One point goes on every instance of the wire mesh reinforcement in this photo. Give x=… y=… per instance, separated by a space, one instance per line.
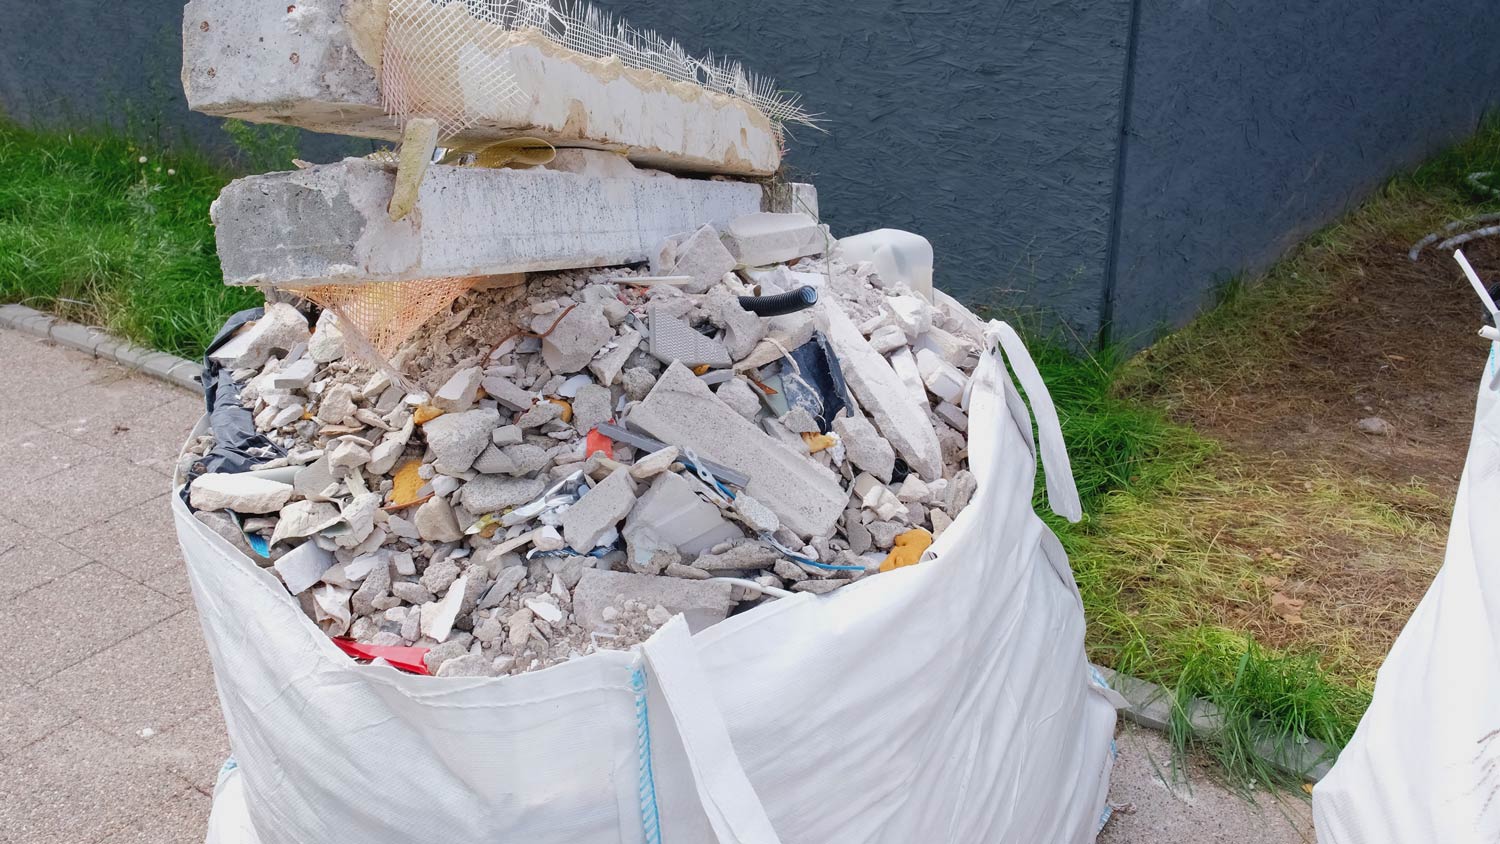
x=445 y=59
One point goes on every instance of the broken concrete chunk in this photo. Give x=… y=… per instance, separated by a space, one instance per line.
x=540 y=414
x=757 y=240
x=302 y=567
x=600 y=509
x=591 y=407
x=282 y=329
x=376 y=584
x=505 y=391
x=492 y=461
x=877 y=387
x=460 y=391
x=942 y=378
x=961 y=488
x=702 y=603
x=912 y=314
x=703 y=258
x=506 y=435
x=680 y=410
x=337 y=404
x=950 y=414
x=468 y=665
x=494 y=493
x=458 y=438
x=637 y=383
x=738 y=394
x=742 y=329
x=757 y=516
x=238 y=492
x=327 y=343
x=647 y=553
x=436 y=523
x=607 y=365
x=576 y=338
x=304 y=518
x=655 y=463
x=866 y=448
x=747 y=556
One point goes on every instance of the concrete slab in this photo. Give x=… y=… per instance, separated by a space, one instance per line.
x=318 y=65
x=681 y=411
x=329 y=223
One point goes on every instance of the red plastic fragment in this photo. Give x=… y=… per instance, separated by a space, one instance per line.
x=600 y=443
x=407 y=659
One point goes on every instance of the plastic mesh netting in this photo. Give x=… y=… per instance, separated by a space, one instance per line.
x=445 y=59
x=383 y=315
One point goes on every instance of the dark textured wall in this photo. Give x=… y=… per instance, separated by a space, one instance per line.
x=85 y=63
x=992 y=127
x=1253 y=123
x=988 y=127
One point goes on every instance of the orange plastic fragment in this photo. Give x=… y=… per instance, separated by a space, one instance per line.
x=699 y=370
x=405 y=483
x=567 y=414
x=426 y=413
x=908 y=549
x=597 y=443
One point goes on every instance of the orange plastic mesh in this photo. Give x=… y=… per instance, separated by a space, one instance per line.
x=386 y=314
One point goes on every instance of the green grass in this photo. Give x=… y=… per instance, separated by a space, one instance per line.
x=93 y=233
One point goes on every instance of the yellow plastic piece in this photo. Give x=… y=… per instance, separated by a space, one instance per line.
x=405 y=484
x=818 y=442
x=426 y=413
x=512 y=152
x=702 y=368
x=908 y=549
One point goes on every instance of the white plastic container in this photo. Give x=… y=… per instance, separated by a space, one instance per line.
x=899 y=257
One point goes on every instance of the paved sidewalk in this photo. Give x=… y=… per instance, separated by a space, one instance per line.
x=109 y=724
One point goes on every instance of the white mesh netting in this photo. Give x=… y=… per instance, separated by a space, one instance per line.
x=444 y=59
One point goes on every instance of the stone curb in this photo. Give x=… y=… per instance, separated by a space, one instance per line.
x=1151 y=706
x=101 y=344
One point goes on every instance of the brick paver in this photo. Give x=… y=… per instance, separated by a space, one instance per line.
x=109 y=724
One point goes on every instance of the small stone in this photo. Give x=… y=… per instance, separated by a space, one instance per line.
x=494 y=493
x=436 y=523
x=460 y=391
x=526 y=458
x=658 y=615
x=743 y=557
x=439 y=576
x=655 y=463
x=438 y=617
x=412 y=593
x=520 y=627
x=540 y=414
x=637 y=383
x=468 y=665
x=865 y=447
x=887 y=338
x=238 y=492
x=576 y=338
x=457 y=439
x=738 y=394
x=505 y=391
x=337 y=404
x=757 y=516
x=442 y=653
x=1374 y=426
x=327 y=343
x=591 y=408
x=600 y=509
x=505 y=435
x=702 y=257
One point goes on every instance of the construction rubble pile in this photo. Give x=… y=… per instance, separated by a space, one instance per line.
x=707 y=407
x=585 y=455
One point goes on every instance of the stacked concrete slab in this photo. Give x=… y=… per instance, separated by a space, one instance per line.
x=317 y=65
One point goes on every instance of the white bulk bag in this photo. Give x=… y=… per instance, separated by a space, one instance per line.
x=947 y=701
x=1424 y=765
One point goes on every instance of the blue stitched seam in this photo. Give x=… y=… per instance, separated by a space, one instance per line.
x=650 y=816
